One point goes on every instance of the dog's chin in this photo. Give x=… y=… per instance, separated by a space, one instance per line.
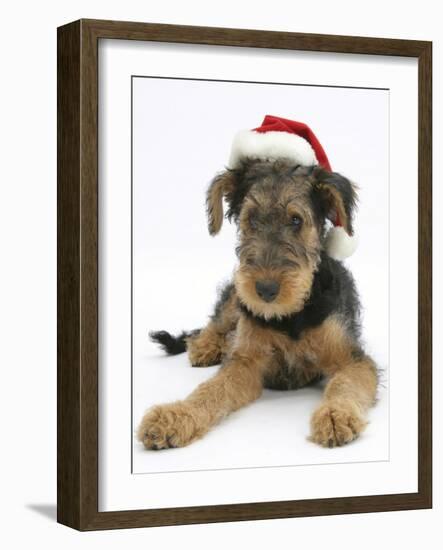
x=267 y=311
x=292 y=296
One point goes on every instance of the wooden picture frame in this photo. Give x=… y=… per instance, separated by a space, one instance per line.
x=77 y=457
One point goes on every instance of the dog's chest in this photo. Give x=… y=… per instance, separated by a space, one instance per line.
x=299 y=357
x=292 y=367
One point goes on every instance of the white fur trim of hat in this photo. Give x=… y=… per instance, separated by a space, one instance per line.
x=279 y=138
x=271 y=146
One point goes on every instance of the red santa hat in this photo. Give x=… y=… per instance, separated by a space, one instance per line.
x=280 y=138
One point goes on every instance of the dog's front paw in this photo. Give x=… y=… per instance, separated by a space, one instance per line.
x=336 y=423
x=168 y=426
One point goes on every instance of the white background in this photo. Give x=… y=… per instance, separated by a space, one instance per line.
x=28 y=277
x=118 y=489
x=180 y=141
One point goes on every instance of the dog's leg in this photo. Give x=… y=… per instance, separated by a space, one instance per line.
x=348 y=395
x=177 y=424
x=238 y=382
x=212 y=343
x=207 y=347
x=351 y=388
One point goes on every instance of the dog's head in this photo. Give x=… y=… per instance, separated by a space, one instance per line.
x=281 y=211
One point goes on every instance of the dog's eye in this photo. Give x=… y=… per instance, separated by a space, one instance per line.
x=252 y=222
x=296 y=222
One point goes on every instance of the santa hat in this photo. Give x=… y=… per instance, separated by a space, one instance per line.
x=280 y=138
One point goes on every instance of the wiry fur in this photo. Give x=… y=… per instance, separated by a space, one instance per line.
x=172 y=345
x=332 y=292
x=308 y=329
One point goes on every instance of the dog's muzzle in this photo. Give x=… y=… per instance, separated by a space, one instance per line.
x=267 y=290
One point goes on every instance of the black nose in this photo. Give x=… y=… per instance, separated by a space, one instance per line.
x=267 y=290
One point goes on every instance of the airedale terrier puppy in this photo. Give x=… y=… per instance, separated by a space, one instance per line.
x=291 y=314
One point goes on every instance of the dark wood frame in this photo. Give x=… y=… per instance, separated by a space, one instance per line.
x=77 y=457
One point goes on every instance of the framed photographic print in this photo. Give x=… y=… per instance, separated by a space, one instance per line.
x=244 y=274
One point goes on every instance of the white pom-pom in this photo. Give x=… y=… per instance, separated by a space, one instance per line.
x=339 y=245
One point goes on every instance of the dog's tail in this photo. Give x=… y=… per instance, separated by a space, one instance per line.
x=172 y=345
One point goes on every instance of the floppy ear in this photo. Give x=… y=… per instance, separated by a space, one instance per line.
x=221 y=186
x=338 y=196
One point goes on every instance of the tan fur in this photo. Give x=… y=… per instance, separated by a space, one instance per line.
x=206 y=348
x=295 y=284
x=292 y=296
x=213 y=342
x=251 y=358
x=336 y=205
x=220 y=187
x=239 y=382
x=273 y=246
x=336 y=423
